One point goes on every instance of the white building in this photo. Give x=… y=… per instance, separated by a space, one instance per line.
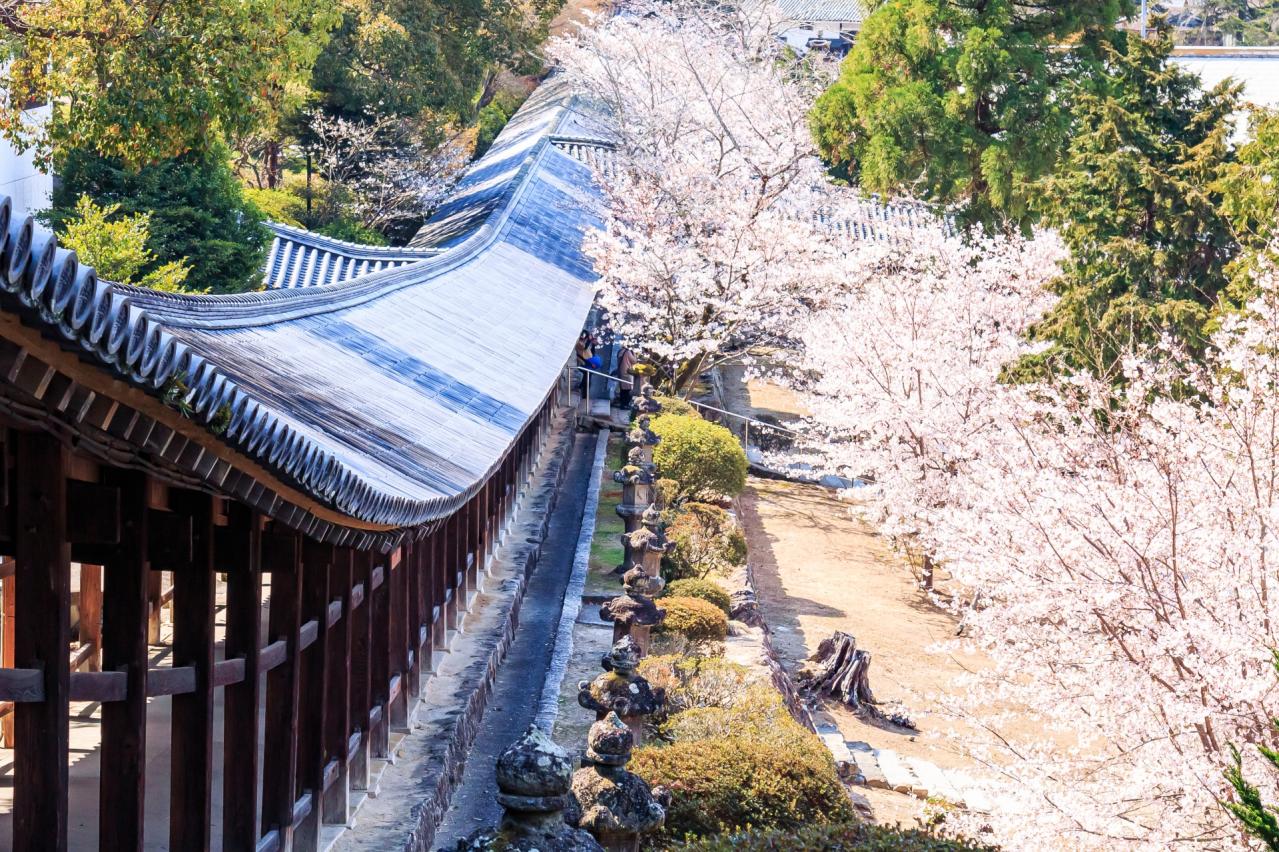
x=28 y=187
x=821 y=24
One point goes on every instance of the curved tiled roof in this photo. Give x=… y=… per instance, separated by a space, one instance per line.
x=300 y=258
x=387 y=397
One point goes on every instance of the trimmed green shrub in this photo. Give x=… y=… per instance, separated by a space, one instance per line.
x=703 y=457
x=694 y=619
x=730 y=783
x=707 y=541
x=278 y=205
x=703 y=589
x=677 y=406
x=842 y=837
x=756 y=712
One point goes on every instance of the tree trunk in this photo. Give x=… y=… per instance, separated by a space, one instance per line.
x=839 y=670
x=271 y=156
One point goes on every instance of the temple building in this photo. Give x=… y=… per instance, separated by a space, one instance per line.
x=237 y=529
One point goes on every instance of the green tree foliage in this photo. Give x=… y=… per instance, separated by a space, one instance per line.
x=1250 y=22
x=197 y=211
x=1249 y=190
x=1137 y=199
x=960 y=102
x=141 y=81
x=1258 y=819
x=416 y=58
x=703 y=457
x=116 y=246
x=706 y=541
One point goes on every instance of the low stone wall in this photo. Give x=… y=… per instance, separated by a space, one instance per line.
x=416 y=791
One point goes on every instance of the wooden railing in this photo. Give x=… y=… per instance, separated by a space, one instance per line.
x=350 y=643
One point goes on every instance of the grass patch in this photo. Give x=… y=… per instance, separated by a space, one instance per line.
x=606 y=546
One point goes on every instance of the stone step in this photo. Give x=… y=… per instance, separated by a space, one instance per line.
x=869 y=769
x=834 y=742
x=896 y=773
x=938 y=784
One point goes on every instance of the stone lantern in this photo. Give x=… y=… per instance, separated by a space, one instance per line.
x=633 y=613
x=613 y=804
x=645 y=402
x=621 y=690
x=534 y=777
x=644 y=438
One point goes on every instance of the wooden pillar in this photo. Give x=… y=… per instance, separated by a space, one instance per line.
x=91 y=614
x=398 y=643
x=43 y=585
x=122 y=789
x=426 y=607
x=412 y=578
x=452 y=549
x=279 y=760
x=361 y=701
x=191 y=782
x=337 y=716
x=240 y=774
x=155 y=587
x=6 y=653
x=439 y=587
x=317 y=560
x=381 y=667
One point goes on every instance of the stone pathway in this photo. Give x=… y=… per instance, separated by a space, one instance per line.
x=513 y=703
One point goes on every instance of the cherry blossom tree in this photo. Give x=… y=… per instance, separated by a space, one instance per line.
x=1114 y=548
x=714 y=240
x=906 y=364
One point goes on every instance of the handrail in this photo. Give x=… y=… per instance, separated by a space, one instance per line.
x=701 y=405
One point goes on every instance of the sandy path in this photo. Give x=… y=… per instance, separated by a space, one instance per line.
x=818 y=569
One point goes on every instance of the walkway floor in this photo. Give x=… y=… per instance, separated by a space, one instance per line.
x=518 y=687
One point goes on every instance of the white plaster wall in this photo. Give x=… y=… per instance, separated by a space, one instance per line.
x=28 y=187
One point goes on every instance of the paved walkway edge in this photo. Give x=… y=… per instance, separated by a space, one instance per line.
x=421 y=805
x=549 y=706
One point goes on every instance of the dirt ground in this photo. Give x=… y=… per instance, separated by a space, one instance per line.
x=574 y=13
x=819 y=569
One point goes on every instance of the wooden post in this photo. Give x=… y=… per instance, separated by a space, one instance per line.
x=439 y=588
x=398 y=641
x=412 y=578
x=451 y=551
x=381 y=667
x=155 y=581
x=191 y=782
x=240 y=772
x=122 y=789
x=337 y=719
x=6 y=654
x=279 y=761
x=91 y=613
x=317 y=559
x=361 y=683
x=43 y=584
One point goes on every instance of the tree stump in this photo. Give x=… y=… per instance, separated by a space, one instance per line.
x=840 y=670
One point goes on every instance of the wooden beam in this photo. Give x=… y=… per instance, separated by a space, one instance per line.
x=103 y=687
x=125 y=629
x=191 y=782
x=6 y=643
x=279 y=762
x=43 y=585
x=242 y=557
